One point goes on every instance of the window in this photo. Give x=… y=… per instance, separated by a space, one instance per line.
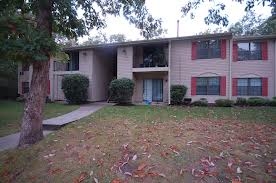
x=249 y=51
x=73 y=64
x=208 y=49
x=249 y=86
x=25 y=87
x=25 y=66
x=208 y=86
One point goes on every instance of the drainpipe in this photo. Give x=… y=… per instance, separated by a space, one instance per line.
x=177 y=33
x=169 y=74
x=230 y=68
x=274 y=67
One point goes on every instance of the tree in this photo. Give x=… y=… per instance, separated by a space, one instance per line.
x=215 y=14
x=103 y=38
x=26 y=34
x=248 y=25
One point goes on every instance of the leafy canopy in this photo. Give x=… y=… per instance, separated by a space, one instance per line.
x=22 y=40
x=215 y=14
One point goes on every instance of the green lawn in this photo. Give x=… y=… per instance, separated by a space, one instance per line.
x=153 y=144
x=11 y=113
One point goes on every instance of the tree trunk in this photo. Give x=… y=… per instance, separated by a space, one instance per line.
x=31 y=126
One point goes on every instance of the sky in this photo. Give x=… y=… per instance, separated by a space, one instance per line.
x=170 y=11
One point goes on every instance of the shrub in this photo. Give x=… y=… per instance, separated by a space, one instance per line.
x=75 y=88
x=257 y=101
x=121 y=90
x=272 y=103
x=201 y=102
x=178 y=93
x=274 y=98
x=241 y=101
x=224 y=103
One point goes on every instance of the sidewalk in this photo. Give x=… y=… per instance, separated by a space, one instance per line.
x=11 y=141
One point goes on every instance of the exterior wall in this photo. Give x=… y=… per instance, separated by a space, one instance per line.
x=86 y=59
x=138 y=89
x=125 y=62
x=102 y=74
x=23 y=76
x=183 y=68
x=257 y=68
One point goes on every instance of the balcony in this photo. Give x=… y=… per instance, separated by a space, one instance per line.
x=153 y=58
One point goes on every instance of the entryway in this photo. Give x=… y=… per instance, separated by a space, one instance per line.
x=153 y=90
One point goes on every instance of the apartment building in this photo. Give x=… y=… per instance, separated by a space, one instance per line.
x=212 y=66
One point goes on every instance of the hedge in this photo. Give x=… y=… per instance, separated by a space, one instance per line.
x=121 y=90
x=75 y=88
x=178 y=93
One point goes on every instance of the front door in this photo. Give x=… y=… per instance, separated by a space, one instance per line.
x=153 y=90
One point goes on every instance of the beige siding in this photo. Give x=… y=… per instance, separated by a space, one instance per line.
x=23 y=76
x=138 y=89
x=182 y=68
x=102 y=74
x=125 y=62
x=86 y=68
x=258 y=68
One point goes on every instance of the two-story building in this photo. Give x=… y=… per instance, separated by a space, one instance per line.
x=212 y=66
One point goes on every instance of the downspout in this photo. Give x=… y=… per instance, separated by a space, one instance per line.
x=169 y=74
x=275 y=67
x=230 y=68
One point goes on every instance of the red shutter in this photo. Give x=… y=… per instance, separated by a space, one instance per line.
x=223 y=49
x=234 y=86
x=264 y=51
x=264 y=86
x=235 y=51
x=49 y=87
x=223 y=85
x=193 y=86
x=194 y=48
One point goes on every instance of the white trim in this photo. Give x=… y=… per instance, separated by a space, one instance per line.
x=151 y=69
x=169 y=73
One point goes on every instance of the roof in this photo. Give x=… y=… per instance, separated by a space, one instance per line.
x=167 y=40
x=258 y=37
x=152 y=41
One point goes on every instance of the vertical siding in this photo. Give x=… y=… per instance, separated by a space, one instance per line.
x=258 y=68
x=183 y=68
x=125 y=62
x=102 y=74
x=85 y=68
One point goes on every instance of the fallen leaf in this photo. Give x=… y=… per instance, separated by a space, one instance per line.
x=96 y=180
x=141 y=166
x=239 y=170
x=134 y=157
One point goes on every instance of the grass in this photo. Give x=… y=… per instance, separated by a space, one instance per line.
x=153 y=144
x=11 y=113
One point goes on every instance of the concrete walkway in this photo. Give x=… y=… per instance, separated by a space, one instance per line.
x=11 y=141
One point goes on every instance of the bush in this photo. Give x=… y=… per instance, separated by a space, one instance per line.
x=224 y=103
x=121 y=90
x=274 y=98
x=257 y=101
x=201 y=102
x=178 y=93
x=241 y=101
x=75 y=88
x=272 y=103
